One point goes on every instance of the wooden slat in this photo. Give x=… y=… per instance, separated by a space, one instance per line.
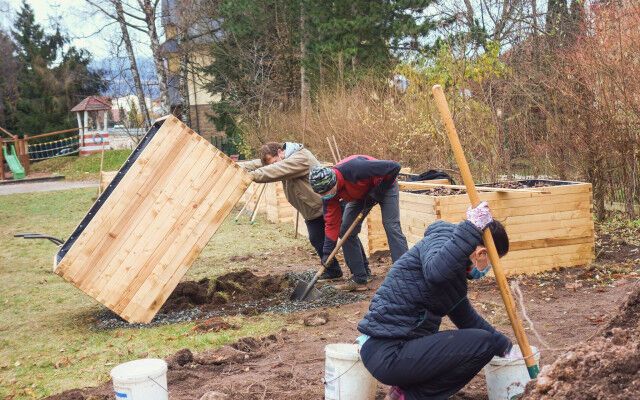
x=492 y=198
x=86 y=242
x=137 y=198
x=154 y=222
x=192 y=243
x=423 y=185
x=170 y=243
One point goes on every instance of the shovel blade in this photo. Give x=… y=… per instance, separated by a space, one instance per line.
x=299 y=290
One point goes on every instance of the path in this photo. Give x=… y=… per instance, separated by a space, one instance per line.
x=45 y=186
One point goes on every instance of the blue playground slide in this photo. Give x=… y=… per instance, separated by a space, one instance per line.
x=14 y=163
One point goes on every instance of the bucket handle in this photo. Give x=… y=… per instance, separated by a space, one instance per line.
x=154 y=381
x=339 y=376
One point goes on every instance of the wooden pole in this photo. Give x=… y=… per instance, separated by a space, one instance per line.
x=101 y=165
x=335 y=145
x=295 y=236
x=465 y=172
x=335 y=158
x=255 y=211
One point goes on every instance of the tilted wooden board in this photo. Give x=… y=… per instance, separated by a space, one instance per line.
x=152 y=221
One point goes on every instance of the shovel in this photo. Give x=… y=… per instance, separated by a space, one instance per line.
x=306 y=291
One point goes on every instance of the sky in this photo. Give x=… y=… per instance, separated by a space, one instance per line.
x=82 y=23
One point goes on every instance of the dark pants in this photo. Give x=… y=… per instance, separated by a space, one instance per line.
x=315 y=227
x=430 y=367
x=390 y=208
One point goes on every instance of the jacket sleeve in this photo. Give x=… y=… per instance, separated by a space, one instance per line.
x=465 y=317
x=332 y=219
x=453 y=255
x=294 y=166
x=361 y=168
x=250 y=165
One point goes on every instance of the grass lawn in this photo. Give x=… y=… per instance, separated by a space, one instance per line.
x=47 y=342
x=82 y=168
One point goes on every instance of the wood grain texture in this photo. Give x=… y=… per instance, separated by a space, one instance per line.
x=154 y=223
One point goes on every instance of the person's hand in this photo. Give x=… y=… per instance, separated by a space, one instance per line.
x=513 y=353
x=369 y=202
x=480 y=215
x=252 y=174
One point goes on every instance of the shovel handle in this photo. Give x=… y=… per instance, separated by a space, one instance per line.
x=465 y=172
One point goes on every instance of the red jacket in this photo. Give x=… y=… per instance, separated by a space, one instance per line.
x=356 y=175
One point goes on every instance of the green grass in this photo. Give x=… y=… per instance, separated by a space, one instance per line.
x=82 y=168
x=47 y=340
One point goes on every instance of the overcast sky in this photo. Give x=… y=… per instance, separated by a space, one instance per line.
x=79 y=21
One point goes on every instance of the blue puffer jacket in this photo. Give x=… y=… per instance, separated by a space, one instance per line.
x=427 y=283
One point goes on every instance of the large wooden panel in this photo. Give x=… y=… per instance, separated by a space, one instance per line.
x=152 y=221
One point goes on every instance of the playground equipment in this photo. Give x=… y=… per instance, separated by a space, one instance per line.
x=13 y=162
x=92 y=114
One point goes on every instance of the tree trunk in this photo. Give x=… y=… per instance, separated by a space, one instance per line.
x=305 y=100
x=132 y=60
x=150 y=18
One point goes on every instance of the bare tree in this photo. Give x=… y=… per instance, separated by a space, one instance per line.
x=150 y=8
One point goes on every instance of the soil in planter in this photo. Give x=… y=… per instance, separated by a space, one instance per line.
x=604 y=367
x=523 y=184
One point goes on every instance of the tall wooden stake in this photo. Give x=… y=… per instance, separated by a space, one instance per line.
x=505 y=293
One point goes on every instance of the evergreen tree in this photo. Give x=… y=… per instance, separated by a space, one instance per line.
x=52 y=76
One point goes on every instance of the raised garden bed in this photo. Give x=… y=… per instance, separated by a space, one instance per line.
x=546 y=230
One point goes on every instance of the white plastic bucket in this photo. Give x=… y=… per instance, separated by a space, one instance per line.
x=345 y=377
x=144 y=379
x=507 y=378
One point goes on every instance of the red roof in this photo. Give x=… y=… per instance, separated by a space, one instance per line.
x=93 y=103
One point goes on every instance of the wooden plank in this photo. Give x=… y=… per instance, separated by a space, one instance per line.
x=531 y=254
x=134 y=179
x=137 y=199
x=422 y=185
x=181 y=228
x=549 y=242
x=549 y=225
x=162 y=198
x=491 y=198
x=448 y=205
x=504 y=213
x=153 y=223
x=545 y=263
x=579 y=231
x=146 y=306
x=584 y=213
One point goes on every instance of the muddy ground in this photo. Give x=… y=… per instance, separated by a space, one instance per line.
x=568 y=307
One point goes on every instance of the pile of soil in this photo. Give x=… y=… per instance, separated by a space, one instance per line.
x=234 y=287
x=235 y=293
x=606 y=366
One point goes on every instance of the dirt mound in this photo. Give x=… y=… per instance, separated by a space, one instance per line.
x=241 y=286
x=605 y=367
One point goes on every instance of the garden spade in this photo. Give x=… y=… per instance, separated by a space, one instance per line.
x=443 y=108
x=306 y=291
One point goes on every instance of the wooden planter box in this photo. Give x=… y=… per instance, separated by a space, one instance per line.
x=546 y=231
x=277 y=208
x=152 y=221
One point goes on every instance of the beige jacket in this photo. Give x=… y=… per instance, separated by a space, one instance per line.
x=293 y=171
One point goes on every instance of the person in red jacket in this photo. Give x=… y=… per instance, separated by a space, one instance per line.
x=360 y=182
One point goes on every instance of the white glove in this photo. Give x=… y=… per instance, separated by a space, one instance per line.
x=480 y=216
x=514 y=353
